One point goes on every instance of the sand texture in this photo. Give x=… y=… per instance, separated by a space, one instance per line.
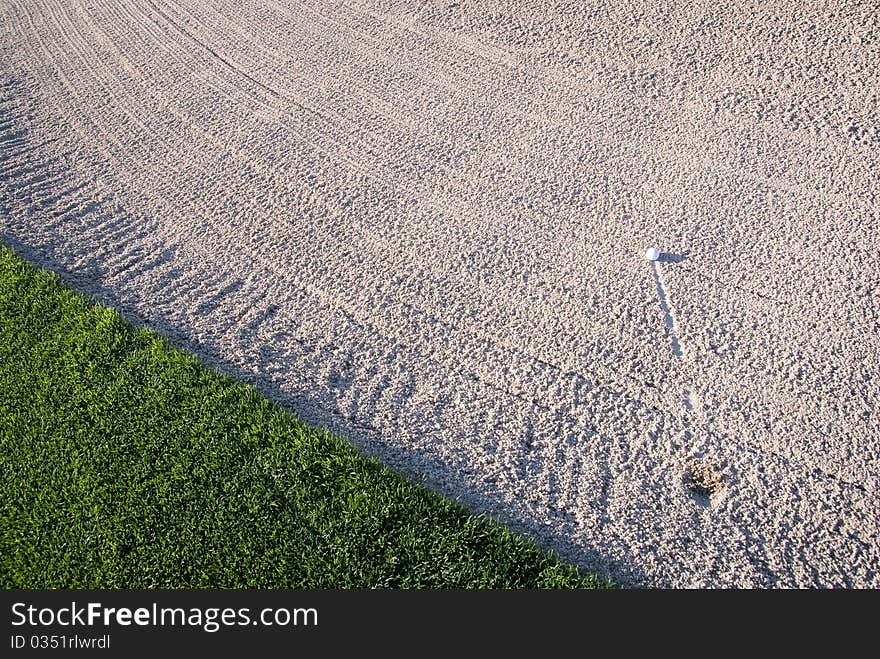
x=423 y=224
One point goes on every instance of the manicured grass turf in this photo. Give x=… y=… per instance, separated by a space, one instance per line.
x=127 y=464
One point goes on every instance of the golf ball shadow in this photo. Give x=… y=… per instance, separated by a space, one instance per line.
x=671 y=257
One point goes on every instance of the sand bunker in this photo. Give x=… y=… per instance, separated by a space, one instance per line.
x=424 y=225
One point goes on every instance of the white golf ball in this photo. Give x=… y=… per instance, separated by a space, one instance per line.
x=652 y=253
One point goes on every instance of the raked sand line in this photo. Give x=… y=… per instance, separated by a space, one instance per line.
x=421 y=225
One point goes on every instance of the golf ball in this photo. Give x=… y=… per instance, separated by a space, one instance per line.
x=652 y=253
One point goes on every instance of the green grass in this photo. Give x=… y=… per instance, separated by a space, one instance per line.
x=128 y=464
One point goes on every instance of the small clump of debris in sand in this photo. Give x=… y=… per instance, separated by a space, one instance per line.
x=704 y=479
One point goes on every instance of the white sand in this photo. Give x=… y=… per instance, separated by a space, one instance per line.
x=424 y=225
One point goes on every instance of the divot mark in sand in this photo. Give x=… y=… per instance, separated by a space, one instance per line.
x=704 y=480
